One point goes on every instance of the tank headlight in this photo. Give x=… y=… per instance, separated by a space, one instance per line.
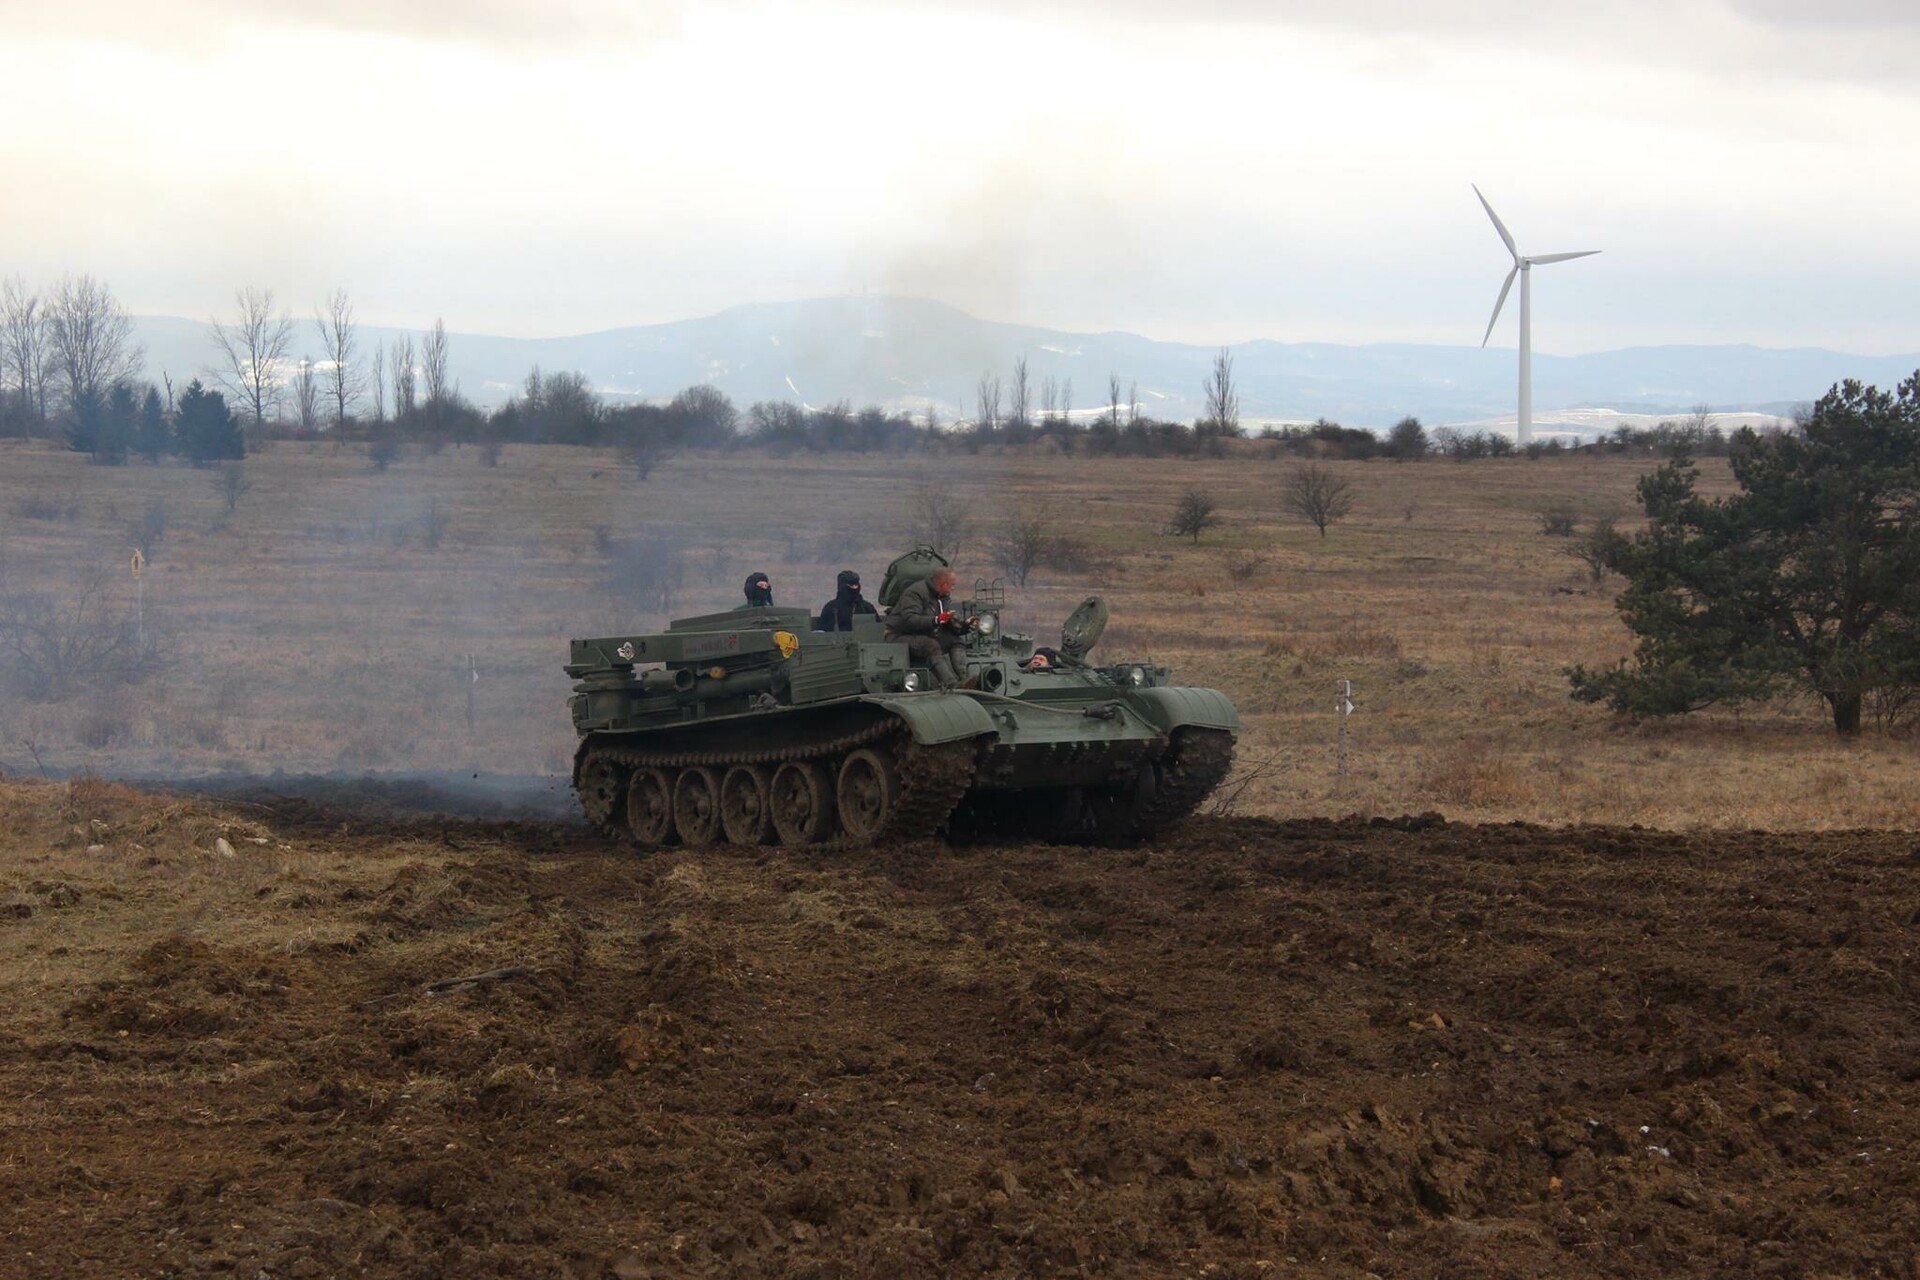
x=625 y=651
x=911 y=681
x=1136 y=676
x=987 y=624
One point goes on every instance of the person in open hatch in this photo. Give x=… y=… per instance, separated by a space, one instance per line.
x=1043 y=659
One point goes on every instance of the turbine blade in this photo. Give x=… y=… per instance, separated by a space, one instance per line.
x=1506 y=237
x=1561 y=257
x=1501 y=301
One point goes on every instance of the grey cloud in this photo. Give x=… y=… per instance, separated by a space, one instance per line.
x=1896 y=15
x=1782 y=40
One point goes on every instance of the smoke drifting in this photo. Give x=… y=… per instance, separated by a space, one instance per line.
x=344 y=620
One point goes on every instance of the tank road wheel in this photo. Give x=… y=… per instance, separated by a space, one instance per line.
x=745 y=812
x=696 y=806
x=603 y=793
x=650 y=808
x=802 y=802
x=869 y=795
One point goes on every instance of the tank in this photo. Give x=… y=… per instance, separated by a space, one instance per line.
x=750 y=728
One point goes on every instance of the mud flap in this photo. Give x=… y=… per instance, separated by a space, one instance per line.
x=1168 y=708
x=935 y=718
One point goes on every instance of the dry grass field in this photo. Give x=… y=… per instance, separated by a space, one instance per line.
x=327 y=623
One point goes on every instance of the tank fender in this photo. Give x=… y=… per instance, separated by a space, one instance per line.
x=935 y=717
x=1168 y=708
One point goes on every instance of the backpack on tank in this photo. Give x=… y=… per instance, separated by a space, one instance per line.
x=910 y=568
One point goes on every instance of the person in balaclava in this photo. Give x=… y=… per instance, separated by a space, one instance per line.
x=759 y=591
x=847 y=604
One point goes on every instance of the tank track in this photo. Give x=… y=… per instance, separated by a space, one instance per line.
x=1191 y=764
x=932 y=780
x=1197 y=761
x=932 y=777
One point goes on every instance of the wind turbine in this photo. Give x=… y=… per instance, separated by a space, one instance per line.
x=1523 y=267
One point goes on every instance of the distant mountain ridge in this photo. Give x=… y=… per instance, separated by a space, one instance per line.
x=908 y=353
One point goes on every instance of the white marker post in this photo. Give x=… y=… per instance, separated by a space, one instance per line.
x=1343 y=707
x=139 y=599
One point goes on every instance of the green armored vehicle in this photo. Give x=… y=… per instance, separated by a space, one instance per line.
x=749 y=728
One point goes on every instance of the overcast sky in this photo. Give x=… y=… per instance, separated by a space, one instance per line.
x=1212 y=170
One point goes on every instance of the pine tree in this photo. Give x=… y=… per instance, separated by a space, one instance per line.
x=1807 y=578
x=207 y=429
x=121 y=422
x=154 y=437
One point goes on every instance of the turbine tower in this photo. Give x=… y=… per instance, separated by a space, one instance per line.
x=1523 y=267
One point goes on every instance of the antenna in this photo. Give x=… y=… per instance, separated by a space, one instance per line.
x=1523 y=265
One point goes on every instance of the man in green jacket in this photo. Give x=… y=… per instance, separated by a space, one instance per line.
x=925 y=620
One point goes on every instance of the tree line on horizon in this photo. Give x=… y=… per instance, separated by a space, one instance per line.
x=69 y=365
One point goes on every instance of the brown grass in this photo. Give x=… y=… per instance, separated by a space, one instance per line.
x=319 y=629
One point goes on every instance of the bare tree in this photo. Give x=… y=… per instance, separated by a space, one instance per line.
x=1595 y=547
x=644 y=451
x=146 y=529
x=1316 y=495
x=344 y=381
x=1018 y=395
x=383 y=450
x=1223 y=400
x=930 y=419
x=377 y=382
x=5 y=356
x=252 y=347
x=24 y=351
x=1133 y=403
x=1066 y=400
x=1113 y=399
x=231 y=483
x=433 y=371
x=987 y=395
x=645 y=569
x=90 y=339
x=83 y=640
x=306 y=396
x=1559 y=520
x=406 y=387
x=1023 y=544
x=1194 y=514
x=1049 y=397
x=938 y=517
x=433 y=526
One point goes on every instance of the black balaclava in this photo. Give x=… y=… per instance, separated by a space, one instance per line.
x=759 y=592
x=846 y=594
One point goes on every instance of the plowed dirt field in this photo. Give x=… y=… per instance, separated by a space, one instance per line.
x=1258 y=1048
